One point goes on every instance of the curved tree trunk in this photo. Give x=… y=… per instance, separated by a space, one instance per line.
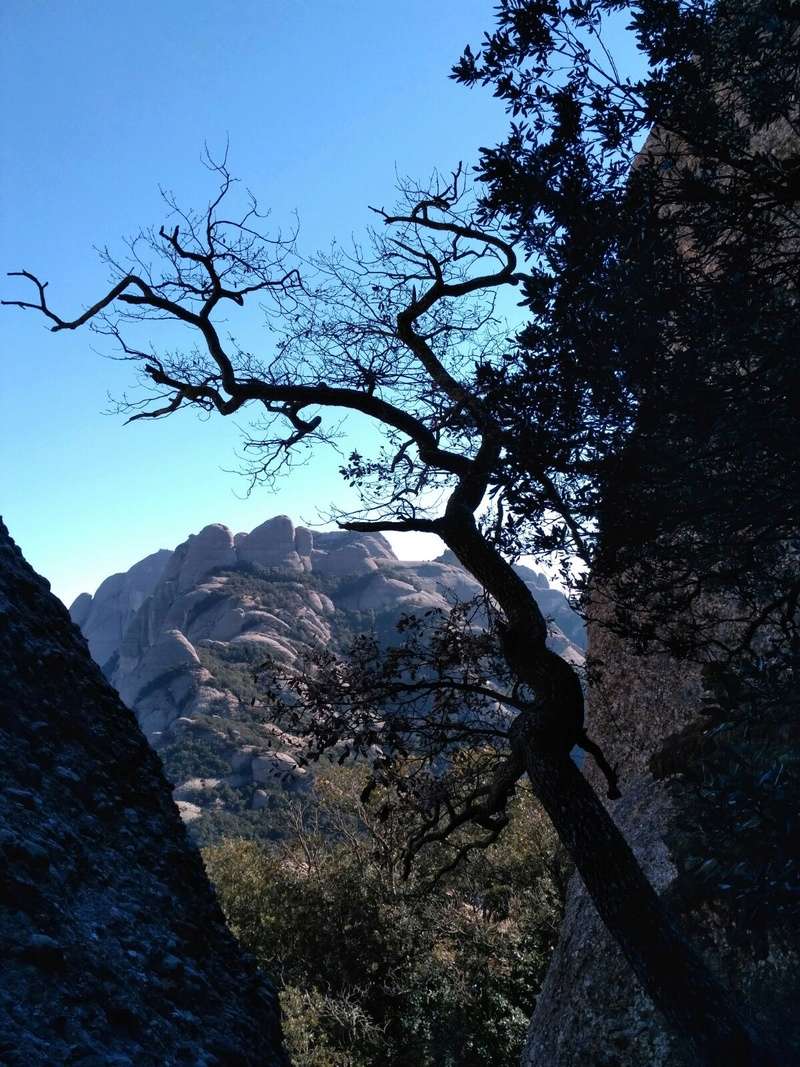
x=673 y=975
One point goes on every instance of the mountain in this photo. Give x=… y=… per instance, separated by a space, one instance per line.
x=178 y=636
x=105 y=617
x=114 y=948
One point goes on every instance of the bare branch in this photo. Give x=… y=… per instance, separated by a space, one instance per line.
x=72 y=324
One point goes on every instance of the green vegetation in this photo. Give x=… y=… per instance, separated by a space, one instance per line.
x=192 y=757
x=377 y=970
x=218 y=825
x=233 y=668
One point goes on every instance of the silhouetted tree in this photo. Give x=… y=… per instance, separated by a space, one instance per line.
x=504 y=447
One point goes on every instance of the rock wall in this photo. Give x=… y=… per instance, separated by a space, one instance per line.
x=709 y=807
x=105 y=617
x=114 y=948
x=709 y=764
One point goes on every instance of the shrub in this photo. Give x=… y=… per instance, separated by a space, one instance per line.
x=380 y=971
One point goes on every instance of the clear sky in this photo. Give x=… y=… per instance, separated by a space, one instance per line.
x=322 y=101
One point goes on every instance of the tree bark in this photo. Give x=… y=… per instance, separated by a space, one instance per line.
x=674 y=976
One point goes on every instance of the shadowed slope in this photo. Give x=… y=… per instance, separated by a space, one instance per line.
x=114 y=947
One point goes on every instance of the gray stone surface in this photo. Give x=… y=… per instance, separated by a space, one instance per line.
x=201 y=554
x=590 y=1010
x=114 y=949
x=345 y=561
x=689 y=792
x=168 y=674
x=209 y=600
x=271 y=544
x=375 y=543
x=105 y=617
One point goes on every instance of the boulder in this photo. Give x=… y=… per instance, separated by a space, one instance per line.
x=276 y=766
x=188 y=812
x=320 y=603
x=272 y=544
x=108 y=926
x=280 y=738
x=303 y=541
x=211 y=549
x=195 y=785
x=344 y=562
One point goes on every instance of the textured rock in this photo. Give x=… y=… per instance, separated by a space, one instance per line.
x=194 y=785
x=271 y=544
x=583 y=1014
x=105 y=617
x=276 y=765
x=376 y=544
x=447 y=579
x=164 y=680
x=188 y=811
x=114 y=948
x=202 y=553
x=378 y=594
x=342 y=562
x=230 y=603
x=268 y=644
x=303 y=541
x=81 y=609
x=707 y=817
x=709 y=803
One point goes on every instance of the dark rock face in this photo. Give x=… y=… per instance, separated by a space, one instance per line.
x=709 y=807
x=114 y=948
x=709 y=784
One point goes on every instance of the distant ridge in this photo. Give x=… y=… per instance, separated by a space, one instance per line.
x=179 y=632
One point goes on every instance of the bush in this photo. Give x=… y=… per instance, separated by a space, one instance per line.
x=380 y=971
x=192 y=757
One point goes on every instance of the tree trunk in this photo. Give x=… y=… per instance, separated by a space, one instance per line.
x=673 y=975
x=671 y=972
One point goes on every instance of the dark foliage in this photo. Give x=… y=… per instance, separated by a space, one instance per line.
x=662 y=349
x=372 y=970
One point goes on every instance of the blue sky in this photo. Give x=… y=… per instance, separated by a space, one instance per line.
x=322 y=102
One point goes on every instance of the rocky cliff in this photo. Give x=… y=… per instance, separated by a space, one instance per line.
x=709 y=781
x=105 y=617
x=708 y=757
x=114 y=948
x=219 y=605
